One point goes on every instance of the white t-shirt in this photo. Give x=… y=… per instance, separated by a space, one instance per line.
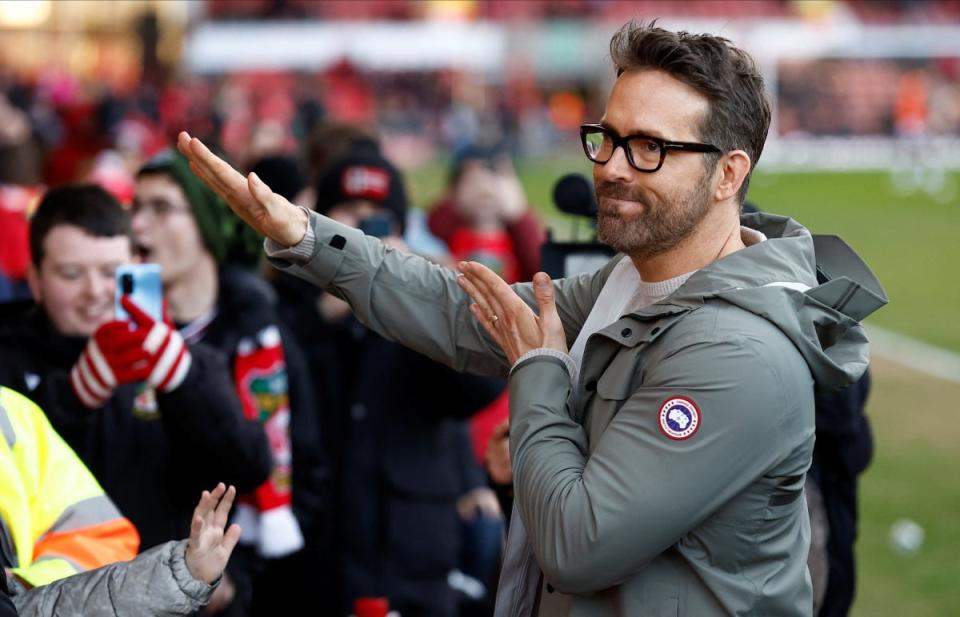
x=623 y=292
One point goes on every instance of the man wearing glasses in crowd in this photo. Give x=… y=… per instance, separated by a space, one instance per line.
x=662 y=409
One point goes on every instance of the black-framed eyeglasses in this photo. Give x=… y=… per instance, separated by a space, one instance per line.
x=644 y=153
x=160 y=208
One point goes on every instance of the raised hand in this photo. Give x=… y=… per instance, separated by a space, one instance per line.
x=513 y=199
x=507 y=318
x=210 y=545
x=252 y=200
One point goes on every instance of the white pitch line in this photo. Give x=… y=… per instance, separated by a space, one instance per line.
x=914 y=354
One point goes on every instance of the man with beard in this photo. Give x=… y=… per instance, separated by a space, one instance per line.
x=659 y=464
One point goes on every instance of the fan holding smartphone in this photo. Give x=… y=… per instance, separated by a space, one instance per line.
x=138 y=345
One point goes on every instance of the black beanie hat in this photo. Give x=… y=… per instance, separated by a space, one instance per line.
x=281 y=174
x=363 y=174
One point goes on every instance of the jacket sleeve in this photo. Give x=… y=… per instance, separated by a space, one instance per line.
x=595 y=518
x=64 y=522
x=206 y=424
x=156 y=583
x=418 y=304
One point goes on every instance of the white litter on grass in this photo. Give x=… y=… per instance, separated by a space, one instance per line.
x=906 y=537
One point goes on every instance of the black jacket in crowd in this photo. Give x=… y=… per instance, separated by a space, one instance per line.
x=246 y=305
x=153 y=454
x=843 y=450
x=394 y=431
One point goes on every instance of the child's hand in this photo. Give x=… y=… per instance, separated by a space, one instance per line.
x=210 y=546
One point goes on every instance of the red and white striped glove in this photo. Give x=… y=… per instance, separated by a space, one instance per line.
x=113 y=355
x=116 y=354
x=168 y=355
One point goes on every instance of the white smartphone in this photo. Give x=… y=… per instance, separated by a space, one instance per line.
x=142 y=283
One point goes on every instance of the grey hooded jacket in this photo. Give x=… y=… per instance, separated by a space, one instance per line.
x=155 y=584
x=627 y=508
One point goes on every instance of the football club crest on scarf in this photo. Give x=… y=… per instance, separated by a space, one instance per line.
x=679 y=418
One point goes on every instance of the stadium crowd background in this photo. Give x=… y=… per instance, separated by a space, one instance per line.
x=91 y=90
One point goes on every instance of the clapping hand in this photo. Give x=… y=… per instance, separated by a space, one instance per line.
x=507 y=318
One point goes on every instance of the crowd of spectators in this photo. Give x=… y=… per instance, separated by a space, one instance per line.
x=869 y=97
x=874 y=11
x=359 y=465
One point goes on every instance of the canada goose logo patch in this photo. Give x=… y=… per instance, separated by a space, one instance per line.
x=679 y=418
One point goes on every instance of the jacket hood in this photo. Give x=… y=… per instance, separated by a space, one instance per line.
x=815 y=289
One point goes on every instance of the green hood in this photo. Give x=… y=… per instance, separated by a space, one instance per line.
x=813 y=288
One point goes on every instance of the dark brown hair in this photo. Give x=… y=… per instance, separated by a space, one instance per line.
x=87 y=206
x=727 y=76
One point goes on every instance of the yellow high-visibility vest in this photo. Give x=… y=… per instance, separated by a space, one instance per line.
x=55 y=519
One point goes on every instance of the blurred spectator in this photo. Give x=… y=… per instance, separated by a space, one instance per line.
x=83 y=138
x=206 y=254
x=911 y=108
x=20 y=155
x=484 y=216
x=295 y=307
x=392 y=425
x=844 y=448
x=349 y=97
x=109 y=170
x=155 y=423
x=16 y=205
x=20 y=163
x=327 y=142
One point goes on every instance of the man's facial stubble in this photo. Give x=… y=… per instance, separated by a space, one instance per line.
x=662 y=223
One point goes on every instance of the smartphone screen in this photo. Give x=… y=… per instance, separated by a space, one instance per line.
x=142 y=283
